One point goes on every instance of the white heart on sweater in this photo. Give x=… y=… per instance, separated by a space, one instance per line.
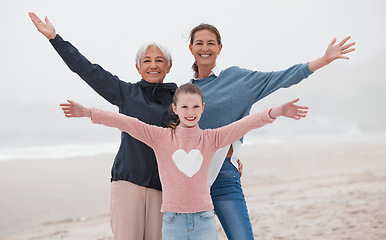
x=188 y=163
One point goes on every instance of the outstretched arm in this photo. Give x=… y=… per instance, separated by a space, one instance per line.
x=146 y=133
x=46 y=28
x=289 y=110
x=74 y=109
x=333 y=52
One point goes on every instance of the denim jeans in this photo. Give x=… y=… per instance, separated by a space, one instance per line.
x=189 y=226
x=229 y=203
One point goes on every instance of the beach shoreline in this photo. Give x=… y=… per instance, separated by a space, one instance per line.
x=293 y=191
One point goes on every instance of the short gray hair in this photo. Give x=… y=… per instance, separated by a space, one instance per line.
x=164 y=51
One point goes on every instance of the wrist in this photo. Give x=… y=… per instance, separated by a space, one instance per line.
x=87 y=112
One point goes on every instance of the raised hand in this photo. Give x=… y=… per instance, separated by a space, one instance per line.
x=336 y=51
x=46 y=28
x=289 y=110
x=74 y=109
x=333 y=52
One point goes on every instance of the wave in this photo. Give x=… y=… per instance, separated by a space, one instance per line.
x=56 y=151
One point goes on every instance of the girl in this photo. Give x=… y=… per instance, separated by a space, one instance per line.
x=184 y=154
x=230 y=95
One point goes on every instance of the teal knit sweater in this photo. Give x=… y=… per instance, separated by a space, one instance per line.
x=230 y=96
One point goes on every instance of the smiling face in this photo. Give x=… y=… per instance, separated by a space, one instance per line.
x=153 y=66
x=205 y=48
x=188 y=107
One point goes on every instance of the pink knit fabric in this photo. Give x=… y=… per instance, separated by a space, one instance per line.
x=184 y=155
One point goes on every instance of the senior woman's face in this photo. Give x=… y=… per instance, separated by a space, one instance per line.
x=153 y=66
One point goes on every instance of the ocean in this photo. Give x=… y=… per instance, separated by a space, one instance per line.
x=78 y=137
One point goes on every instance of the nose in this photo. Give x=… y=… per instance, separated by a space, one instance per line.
x=205 y=47
x=153 y=64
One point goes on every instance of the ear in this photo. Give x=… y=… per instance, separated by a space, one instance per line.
x=203 y=106
x=138 y=69
x=169 y=67
x=191 y=48
x=219 y=48
x=174 y=109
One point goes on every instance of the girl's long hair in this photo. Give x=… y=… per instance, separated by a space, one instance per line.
x=185 y=88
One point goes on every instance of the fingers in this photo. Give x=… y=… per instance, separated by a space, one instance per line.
x=347 y=46
x=344 y=41
x=35 y=19
x=333 y=41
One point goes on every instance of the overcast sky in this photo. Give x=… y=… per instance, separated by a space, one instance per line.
x=260 y=35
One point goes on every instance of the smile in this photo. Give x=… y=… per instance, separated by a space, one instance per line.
x=190 y=118
x=205 y=55
x=153 y=72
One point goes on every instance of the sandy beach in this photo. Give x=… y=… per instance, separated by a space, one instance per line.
x=293 y=191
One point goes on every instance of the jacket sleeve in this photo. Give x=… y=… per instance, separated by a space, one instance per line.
x=230 y=133
x=143 y=132
x=258 y=84
x=102 y=81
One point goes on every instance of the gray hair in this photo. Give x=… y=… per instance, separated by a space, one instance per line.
x=164 y=51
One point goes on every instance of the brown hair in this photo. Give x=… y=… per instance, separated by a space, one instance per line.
x=185 y=88
x=203 y=26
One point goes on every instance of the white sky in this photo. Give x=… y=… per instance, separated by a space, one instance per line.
x=260 y=35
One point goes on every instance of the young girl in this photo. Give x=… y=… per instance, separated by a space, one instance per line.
x=230 y=94
x=184 y=154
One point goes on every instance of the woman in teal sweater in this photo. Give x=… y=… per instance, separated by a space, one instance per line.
x=229 y=95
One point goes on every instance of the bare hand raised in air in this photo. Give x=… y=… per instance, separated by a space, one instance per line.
x=74 y=109
x=289 y=110
x=335 y=51
x=46 y=28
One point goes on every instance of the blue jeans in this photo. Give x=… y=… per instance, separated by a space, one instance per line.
x=229 y=203
x=189 y=226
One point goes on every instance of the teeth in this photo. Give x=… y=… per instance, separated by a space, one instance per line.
x=153 y=72
x=191 y=119
x=205 y=55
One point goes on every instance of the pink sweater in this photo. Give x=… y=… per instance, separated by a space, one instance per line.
x=184 y=156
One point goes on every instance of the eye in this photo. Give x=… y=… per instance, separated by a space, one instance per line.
x=196 y=106
x=160 y=60
x=145 y=61
x=184 y=107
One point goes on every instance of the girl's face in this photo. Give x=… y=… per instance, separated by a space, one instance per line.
x=189 y=108
x=153 y=65
x=205 y=48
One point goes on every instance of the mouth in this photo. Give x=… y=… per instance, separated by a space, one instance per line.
x=153 y=73
x=205 y=55
x=190 y=119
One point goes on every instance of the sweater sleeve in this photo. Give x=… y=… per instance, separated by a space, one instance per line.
x=228 y=134
x=102 y=81
x=143 y=132
x=258 y=85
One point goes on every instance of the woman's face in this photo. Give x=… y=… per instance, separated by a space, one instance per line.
x=205 y=48
x=153 y=65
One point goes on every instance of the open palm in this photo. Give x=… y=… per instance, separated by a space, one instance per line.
x=46 y=28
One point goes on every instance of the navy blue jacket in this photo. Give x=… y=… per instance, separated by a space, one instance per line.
x=149 y=102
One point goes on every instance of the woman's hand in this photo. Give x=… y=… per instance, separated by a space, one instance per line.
x=46 y=28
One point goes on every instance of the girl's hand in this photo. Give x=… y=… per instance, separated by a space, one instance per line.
x=74 y=109
x=289 y=110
